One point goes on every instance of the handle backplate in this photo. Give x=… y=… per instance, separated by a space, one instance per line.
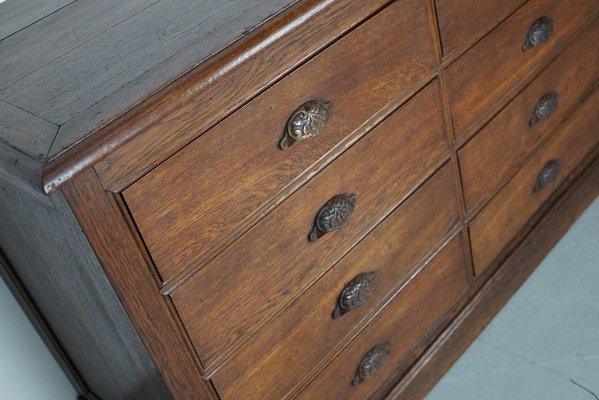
x=372 y=363
x=548 y=175
x=355 y=294
x=306 y=122
x=545 y=108
x=539 y=33
x=333 y=215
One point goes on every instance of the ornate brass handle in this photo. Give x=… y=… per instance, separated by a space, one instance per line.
x=539 y=33
x=355 y=294
x=544 y=108
x=306 y=122
x=372 y=363
x=333 y=215
x=548 y=175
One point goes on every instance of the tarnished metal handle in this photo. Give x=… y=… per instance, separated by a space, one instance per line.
x=372 y=363
x=306 y=122
x=540 y=32
x=545 y=108
x=548 y=175
x=333 y=215
x=355 y=294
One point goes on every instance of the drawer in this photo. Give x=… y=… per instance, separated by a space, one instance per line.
x=269 y=266
x=500 y=147
x=517 y=202
x=482 y=79
x=461 y=22
x=285 y=354
x=193 y=204
x=396 y=332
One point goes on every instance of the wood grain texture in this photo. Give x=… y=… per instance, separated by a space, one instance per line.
x=515 y=204
x=45 y=246
x=97 y=68
x=17 y=15
x=268 y=366
x=25 y=132
x=187 y=208
x=493 y=292
x=462 y=22
x=474 y=94
x=404 y=322
x=187 y=108
x=499 y=149
x=32 y=49
x=278 y=260
x=127 y=268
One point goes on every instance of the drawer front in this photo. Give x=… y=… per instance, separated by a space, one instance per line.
x=500 y=147
x=396 y=332
x=195 y=203
x=475 y=93
x=284 y=355
x=461 y=23
x=516 y=203
x=275 y=261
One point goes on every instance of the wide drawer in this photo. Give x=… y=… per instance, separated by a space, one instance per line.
x=501 y=146
x=364 y=365
x=284 y=355
x=269 y=266
x=461 y=22
x=482 y=79
x=517 y=202
x=196 y=202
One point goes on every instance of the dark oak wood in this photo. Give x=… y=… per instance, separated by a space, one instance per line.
x=191 y=193
x=433 y=292
x=52 y=260
x=100 y=216
x=474 y=94
x=492 y=292
x=499 y=149
x=394 y=251
x=462 y=22
x=279 y=261
x=515 y=204
x=180 y=112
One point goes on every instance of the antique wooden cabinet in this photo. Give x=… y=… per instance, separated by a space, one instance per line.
x=277 y=199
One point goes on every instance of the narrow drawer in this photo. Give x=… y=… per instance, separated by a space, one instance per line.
x=482 y=79
x=269 y=266
x=285 y=354
x=516 y=203
x=461 y=22
x=500 y=147
x=396 y=332
x=195 y=203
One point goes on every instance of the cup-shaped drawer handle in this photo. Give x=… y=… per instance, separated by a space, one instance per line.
x=355 y=294
x=544 y=108
x=540 y=32
x=372 y=363
x=333 y=215
x=548 y=175
x=306 y=122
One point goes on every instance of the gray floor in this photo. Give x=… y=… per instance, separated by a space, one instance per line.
x=545 y=343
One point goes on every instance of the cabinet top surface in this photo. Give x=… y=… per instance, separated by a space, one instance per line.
x=68 y=67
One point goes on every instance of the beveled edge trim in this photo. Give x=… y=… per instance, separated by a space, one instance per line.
x=213 y=75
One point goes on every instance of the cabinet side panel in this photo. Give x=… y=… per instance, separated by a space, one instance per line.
x=48 y=251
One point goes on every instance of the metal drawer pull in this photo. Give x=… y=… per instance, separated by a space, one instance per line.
x=333 y=215
x=544 y=108
x=355 y=294
x=372 y=363
x=548 y=175
x=539 y=33
x=306 y=122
